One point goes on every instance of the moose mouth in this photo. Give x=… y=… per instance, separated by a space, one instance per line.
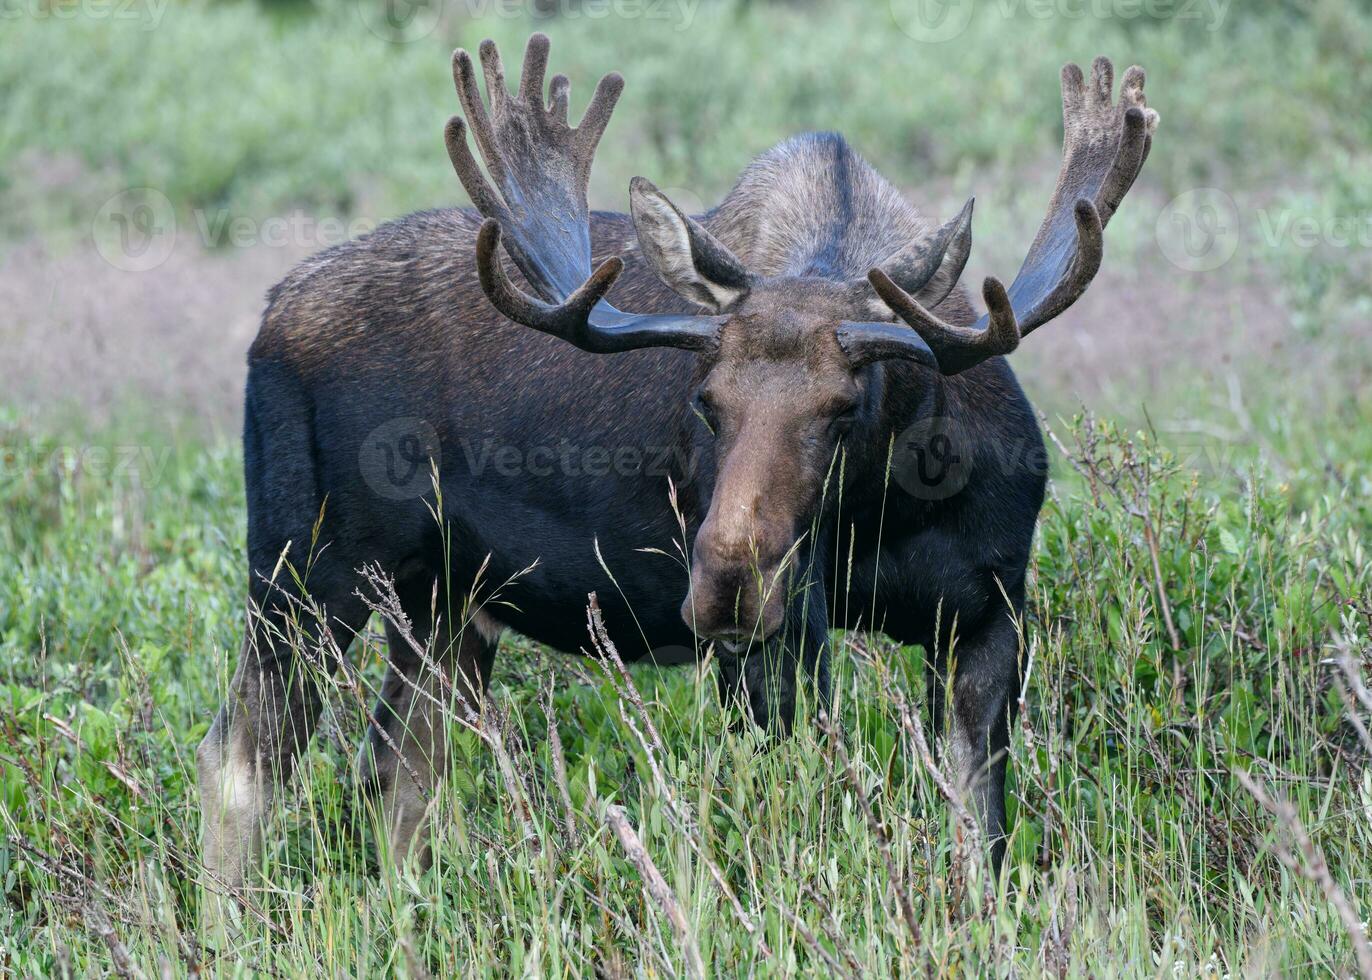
x=733 y=610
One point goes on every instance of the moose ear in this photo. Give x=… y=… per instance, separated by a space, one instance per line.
x=685 y=256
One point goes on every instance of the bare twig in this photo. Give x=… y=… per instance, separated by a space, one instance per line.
x=969 y=839
x=1355 y=696
x=94 y=914
x=86 y=896
x=386 y=603
x=653 y=746
x=804 y=932
x=1136 y=500
x=831 y=929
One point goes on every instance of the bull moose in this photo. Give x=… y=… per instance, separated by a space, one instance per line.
x=771 y=355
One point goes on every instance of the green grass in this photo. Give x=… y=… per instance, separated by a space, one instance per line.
x=1135 y=850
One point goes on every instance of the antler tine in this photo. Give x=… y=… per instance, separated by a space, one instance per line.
x=917 y=263
x=1085 y=263
x=1135 y=144
x=956 y=347
x=535 y=67
x=557 y=97
x=945 y=278
x=469 y=94
x=494 y=70
x=584 y=319
x=597 y=114
x=469 y=173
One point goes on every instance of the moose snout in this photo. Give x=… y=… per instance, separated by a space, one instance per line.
x=738 y=586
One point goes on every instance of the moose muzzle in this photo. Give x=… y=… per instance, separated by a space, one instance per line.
x=739 y=572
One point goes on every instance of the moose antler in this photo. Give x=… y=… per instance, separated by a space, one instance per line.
x=915 y=266
x=1104 y=147
x=541 y=167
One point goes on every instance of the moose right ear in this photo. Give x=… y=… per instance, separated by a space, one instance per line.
x=685 y=256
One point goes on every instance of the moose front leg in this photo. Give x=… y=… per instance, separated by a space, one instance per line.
x=973 y=696
x=767 y=680
x=406 y=751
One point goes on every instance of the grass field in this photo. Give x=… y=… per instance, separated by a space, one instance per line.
x=1192 y=794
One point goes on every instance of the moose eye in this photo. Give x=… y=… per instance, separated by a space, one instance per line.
x=704 y=407
x=844 y=417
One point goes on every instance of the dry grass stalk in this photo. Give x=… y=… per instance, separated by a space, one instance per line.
x=831 y=929
x=1356 y=697
x=1130 y=482
x=87 y=897
x=559 y=763
x=834 y=747
x=1055 y=945
x=653 y=747
x=812 y=941
x=385 y=602
x=969 y=840
x=656 y=887
x=1313 y=866
x=99 y=923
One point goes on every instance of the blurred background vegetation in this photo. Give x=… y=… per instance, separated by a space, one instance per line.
x=262 y=107
x=235 y=112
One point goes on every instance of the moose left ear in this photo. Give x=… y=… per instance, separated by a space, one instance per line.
x=685 y=256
